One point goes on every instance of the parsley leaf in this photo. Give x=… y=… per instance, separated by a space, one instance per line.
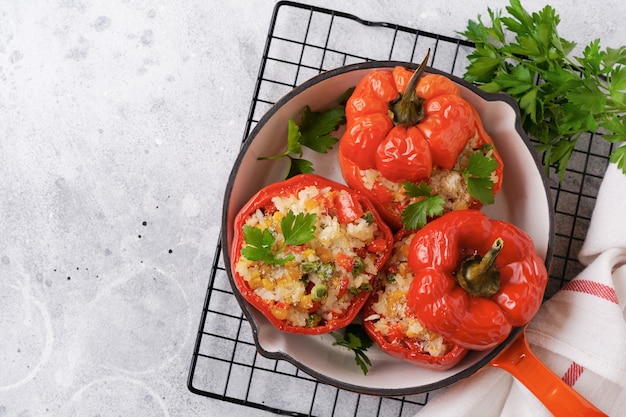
x=299 y=166
x=561 y=97
x=356 y=339
x=260 y=244
x=415 y=215
x=618 y=156
x=293 y=138
x=479 y=185
x=313 y=132
x=478 y=177
x=315 y=128
x=296 y=229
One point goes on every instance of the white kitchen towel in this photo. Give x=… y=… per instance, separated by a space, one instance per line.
x=579 y=333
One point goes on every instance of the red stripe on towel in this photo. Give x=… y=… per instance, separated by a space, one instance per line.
x=592 y=288
x=572 y=374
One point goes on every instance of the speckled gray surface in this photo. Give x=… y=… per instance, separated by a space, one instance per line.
x=119 y=122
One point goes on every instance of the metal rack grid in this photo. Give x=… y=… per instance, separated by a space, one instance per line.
x=303 y=41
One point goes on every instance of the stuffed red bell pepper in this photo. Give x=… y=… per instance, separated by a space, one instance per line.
x=410 y=127
x=393 y=327
x=474 y=278
x=305 y=253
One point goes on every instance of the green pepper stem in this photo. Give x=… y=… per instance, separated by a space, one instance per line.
x=408 y=108
x=490 y=257
x=478 y=275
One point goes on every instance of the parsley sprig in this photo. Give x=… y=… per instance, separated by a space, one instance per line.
x=415 y=215
x=561 y=97
x=478 y=177
x=313 y=132
x=356 y=339
x=296 y=229
x=479 y=185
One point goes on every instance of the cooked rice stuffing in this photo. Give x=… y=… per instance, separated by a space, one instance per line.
x=287 y=288
x=391 y=318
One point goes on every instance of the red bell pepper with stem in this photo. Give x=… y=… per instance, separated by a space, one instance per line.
x=305 y=253
x=404 y=126
x=474 y=278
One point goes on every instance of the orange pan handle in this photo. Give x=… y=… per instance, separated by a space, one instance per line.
x=558 y=397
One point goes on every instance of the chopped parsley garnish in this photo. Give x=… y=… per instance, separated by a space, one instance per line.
x=479 y=185
x=478 y=177
x=369 y=217
x=296 y=229
x=415 y=215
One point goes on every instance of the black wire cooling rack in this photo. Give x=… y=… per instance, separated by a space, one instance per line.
x=303 y=41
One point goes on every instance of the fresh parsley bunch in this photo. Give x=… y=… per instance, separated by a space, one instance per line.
x=560 y=97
